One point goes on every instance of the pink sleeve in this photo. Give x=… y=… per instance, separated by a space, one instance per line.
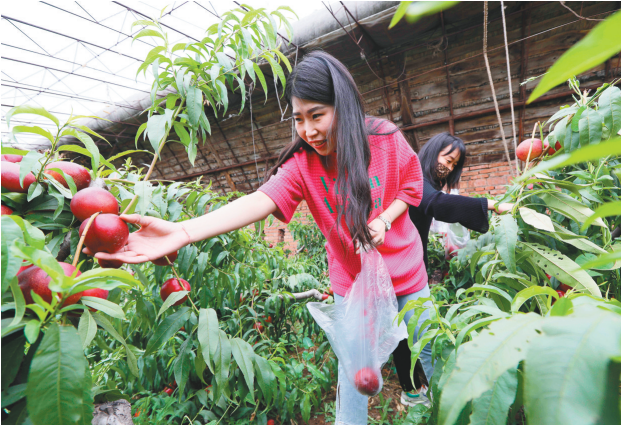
x=410 y=173
x=285 y=189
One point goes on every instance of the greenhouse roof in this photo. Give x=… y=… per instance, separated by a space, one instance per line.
x=78 y=57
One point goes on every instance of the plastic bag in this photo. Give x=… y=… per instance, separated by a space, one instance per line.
x=441 y=227
x=455 y=238
x=362 y=330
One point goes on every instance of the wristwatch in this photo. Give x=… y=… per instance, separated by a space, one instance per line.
x=386 y=222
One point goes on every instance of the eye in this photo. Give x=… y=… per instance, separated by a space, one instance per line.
x=315 y=116
x=298 y=119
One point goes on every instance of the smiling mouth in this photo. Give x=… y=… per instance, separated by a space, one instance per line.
x=318 y=143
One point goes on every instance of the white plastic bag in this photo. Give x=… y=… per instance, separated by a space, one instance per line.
x=441 y=227
x=362 y=330
x=455 y=238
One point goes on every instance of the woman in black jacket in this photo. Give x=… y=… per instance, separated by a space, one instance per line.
x=442 y=160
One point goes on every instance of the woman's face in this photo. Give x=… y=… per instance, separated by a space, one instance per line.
x=313 y=121
x=449 y=160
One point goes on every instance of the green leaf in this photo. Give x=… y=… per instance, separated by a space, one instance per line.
x=598 y=45
x=571 y=361
x=34 y=130
x=399 y=13
x=105 y=306
x=564 y=269
x=243 y=355
x=306 y=407
x=194 y=104
x=265 y=378
x=183 y=363
x=32 y=330
x=606 y=210
x=184 y=137
x=562 y=307
x=144 y=191
x=493 y=405
x=24 y=109
x=108 y=327
x=167 y=328
x=208 y=334
x=148 y=33
x=525 y=294
x=420 y=9
x=221 y=355
x=602 y=260
x=143 y=22
x=85 y=152
x=506 y=234
x=90 y=146
x=575 y=122
x=12 y=356
x=87 y=328
x=590 y=128
x=33 y=236
x=142 y=128
x=610 y=108
x=569 y=207
x=284 y=59
x=156 y=128
x=589 y=153
x=13 y=151
x=10 y=263
x=30 y=163
x=172 y=298
x=582 y=244
x=483 y=360
x=417 y=348
x=13 y=395
x=537 y=220
x=259 y=73
x=56 y=379
x=89 y=131
x=277 y=69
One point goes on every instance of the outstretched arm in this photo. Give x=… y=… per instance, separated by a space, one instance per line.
x=157 y=237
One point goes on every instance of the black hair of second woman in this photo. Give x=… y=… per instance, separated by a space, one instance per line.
x=322 y=78
x=428 y=157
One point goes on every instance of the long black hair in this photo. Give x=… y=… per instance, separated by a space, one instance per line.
x=322 y=78
x=428 y=157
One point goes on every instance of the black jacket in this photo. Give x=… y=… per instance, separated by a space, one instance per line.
x=469 y=212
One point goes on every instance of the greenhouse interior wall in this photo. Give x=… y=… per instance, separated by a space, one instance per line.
x=427 y=78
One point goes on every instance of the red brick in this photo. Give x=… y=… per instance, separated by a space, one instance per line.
x=489 y=187
x=479 y=182
x=497 y=180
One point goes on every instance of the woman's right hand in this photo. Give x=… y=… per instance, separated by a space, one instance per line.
x=153 y=240
x=499 y=208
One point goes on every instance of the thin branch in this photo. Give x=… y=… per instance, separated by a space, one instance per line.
x=577 y=16
x=504 y=29
x=491 y=84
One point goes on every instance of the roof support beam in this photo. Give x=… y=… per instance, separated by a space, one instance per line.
x=233 y=154
x=225 y=168
x=222 y=167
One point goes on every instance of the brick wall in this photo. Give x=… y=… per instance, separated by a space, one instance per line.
x=477 y=179
x=485 y=178
x=278 y=231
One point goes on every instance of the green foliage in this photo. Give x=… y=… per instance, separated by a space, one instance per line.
x=210 y=349
x=505 y=331
x=601 y=43
x=415 y=10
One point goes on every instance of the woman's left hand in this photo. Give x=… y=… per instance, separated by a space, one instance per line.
x=378 y=231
